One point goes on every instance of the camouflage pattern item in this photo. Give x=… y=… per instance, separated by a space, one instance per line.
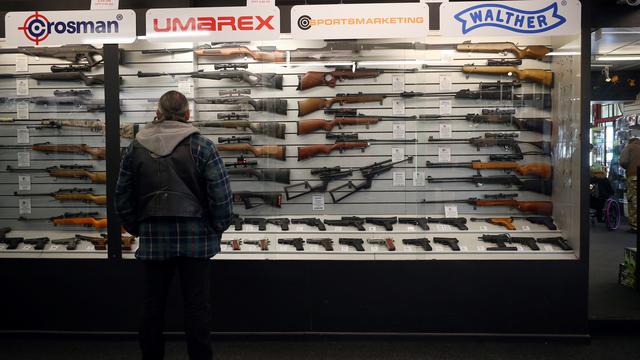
x=632 y=201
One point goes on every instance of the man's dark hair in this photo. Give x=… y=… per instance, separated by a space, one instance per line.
x=173 y=105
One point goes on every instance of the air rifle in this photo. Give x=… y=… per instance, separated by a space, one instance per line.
x=88 y=80
x=326 y=175
x=242 y=144
x=68 y=171
x=536 y=207
x=73 y=53
x=311 y=79
x=277 y=175
x=240 y=97
x=541 y=170
x=505 y=140
x=97 y=153
x=73 y=194
x=498 y=116
x=264 y=53
x=535 y=184
x=344 y=141
x=268 y=198
x=343 y=117
x=228 y=71
x=272 y=129
x=540 y=76
x=80 y=218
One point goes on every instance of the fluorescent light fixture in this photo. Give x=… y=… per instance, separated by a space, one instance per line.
x=617 y=57
x=186 y=34
x=563 y=53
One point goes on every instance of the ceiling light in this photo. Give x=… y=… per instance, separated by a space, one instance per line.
x=563 y=53
x=617 y=57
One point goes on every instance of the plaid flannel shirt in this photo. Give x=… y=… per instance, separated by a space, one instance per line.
x=165 y=237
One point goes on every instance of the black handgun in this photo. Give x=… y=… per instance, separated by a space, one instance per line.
x=327 y=243
x=310 y=222
x=282 y=222
x=356 y=243
x=558 y=241
x=295 y=242
x=459 y=222
x=38 y=243
x=354 y=221
x=529 y=241
x=261 y=222
x=450 y=242
x=418 y=221
x=386 y=222
x=422 y=242
x=500 y=240
x=70 y=243
x=539 y=220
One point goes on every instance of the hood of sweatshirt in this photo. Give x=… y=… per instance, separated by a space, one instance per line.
x=162 y=137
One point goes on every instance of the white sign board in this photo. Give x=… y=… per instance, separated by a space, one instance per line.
x=47 y=28
x=104 y=4
x=359 y=21
x=219 y=24
x=504 y=18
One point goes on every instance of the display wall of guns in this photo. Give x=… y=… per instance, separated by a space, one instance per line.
x=228 y=71
x=505 y=140
x=540 y=76
x=387 y=242
x=88 y=80
x=277 y=175
x=240 y=97
x=262 y=243
x=311 y=79
x=506 y=117
x=271 y=54
x=67 y=171
x=541 y=170
x=537 y=185
x=243 y=144
x=73 y=194
x=507 y=222
x=268 y=128
x=344 y=141
x=310 y=105
x=536 y=207
x=77 y=54
x=80 y=218
x=96 y=153
x=424 y=243
x=343 y=117
x=268 y=198
x=369 y=173
x=326 y=176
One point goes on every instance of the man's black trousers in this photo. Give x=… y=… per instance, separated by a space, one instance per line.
x=194 y=280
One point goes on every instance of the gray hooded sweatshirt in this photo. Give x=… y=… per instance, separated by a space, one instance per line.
x=162 y=137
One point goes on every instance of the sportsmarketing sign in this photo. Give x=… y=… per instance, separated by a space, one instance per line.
x=359 y=21
x=239 y=23
x=50 y=28
x=561 y=17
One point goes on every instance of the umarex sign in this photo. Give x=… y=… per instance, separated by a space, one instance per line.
x=214 y=24
x=561 y=17
x=47 y=28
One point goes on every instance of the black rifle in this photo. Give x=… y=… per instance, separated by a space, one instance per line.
x=505 y=140
x=418 y=221
x=356 y=243
x=369 y=173
x=351 y=137
x=500 y=241
x=228 y=71
x=61 y=76
x=73 y=53
x=450 y=242
x=326 y=175
x=295 y=242
x=271 y=198
x=282 y=222
x=535 y=184
x=459 y=222
x=327 y=243
x=354 y=221
x=241 y=161
x=310 y=222
x=422 y=242
x=276 y=175
x=386 y=222
x=241 y=98
x=558 y=241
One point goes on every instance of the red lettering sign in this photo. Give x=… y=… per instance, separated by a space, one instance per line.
x=220 y=23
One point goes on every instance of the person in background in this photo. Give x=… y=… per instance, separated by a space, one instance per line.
x=173 y=192
x=630 y=160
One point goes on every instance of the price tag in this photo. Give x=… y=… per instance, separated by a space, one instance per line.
x=399 y=131
x=375 y=248
x=90 y=247
x=344 y=248
x=22 y=87
x=411 y=228
x=398 y=107
x=481 y=248
x=444 y=154
x=548 y=248
x=399 y=179
x=24 y=182
x=317 y=202
x=185 y=86
x=419 y=178
x=446 y=56
x=438 y=247
x=298 y=228
x=451 y=211
x=445 y=82
x=445 y=107
x=464 y=248
x=25 y=206
x=24 y=159
x=53 y=247
x=444 y=228
x=483 y=228
x=526 y=228
x=445 y=131
x=22 y=63
x=371 y=229
x=407 y=248
x=248 y=227
x=337 y=229
x=22 y=110
x=397 y=82
x=22 y=136
x=27 y=247
x=397 y=154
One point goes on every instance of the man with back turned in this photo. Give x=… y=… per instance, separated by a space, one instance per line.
x=173 y=192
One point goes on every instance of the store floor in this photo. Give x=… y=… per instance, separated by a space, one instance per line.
x=607 y=299
x=610 y=348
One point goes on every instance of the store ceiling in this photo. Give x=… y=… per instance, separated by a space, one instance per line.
x=609 y=43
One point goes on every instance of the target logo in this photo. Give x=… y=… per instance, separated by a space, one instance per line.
x=35 y=28
x=304 y=22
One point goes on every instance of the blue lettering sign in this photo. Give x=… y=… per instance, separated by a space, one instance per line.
x=510 y=18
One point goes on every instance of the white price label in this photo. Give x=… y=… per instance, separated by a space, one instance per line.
x=451 y=211
x=397 y=82
x=444 y=154
x=53 y=247
x=397 y=154
x=438 y=247
x=22 y=110
x=25 y=206
x=22 y=136
x=24 y=182
x=419 y=178
x=445 y=82
x=464 y=248
x=399 y=131
x=22 y=87
x=526 y=228
x=375 y=248
x=317 y=202
x=446 y=56
x=185 y=86
x=371 y=228
x=22 y=63
x=298 y=228
x=90 y=247
x=443 y=227
x=481 y=248
x=483 y=228
x=411 y=228
x=344 y=248
x=398 y=107
x=548 y=248
x=24 y=159
x=407 y=248
x=337 y=228
x=445 y=107
x=445 y=131
x=27 y=247
x=399 y=179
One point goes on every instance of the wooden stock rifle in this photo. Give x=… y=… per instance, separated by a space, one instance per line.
x=508 y=200
x=80 y=218
x=242 y=144
x=68 y=171
x=344 y=141
x=73 y=194
x=535 y=169
x=97 y=153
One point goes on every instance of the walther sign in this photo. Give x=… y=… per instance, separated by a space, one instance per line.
x=214 y=24
x=45 y=28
